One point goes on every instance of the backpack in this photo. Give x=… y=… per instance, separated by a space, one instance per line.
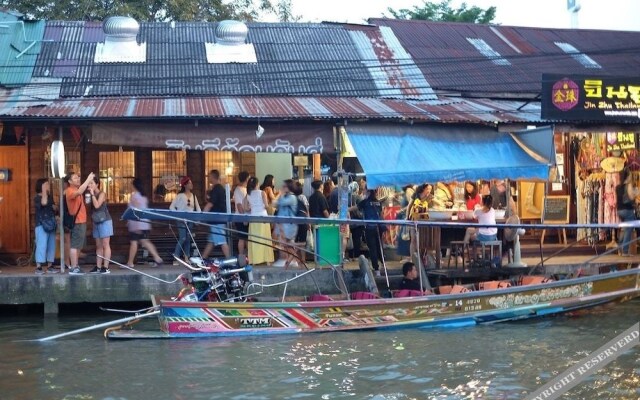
x=302 y=210
x=68 y=219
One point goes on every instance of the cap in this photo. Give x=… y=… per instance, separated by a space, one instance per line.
x=184 y=180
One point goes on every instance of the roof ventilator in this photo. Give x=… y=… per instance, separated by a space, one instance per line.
x=231 y=44
x=488 y=51
x=120 y=44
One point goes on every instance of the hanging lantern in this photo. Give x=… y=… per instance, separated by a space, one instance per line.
x=57 y=159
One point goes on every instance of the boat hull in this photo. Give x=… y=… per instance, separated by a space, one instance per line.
x=207 y=319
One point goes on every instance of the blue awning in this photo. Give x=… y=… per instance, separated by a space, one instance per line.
x=398 y=155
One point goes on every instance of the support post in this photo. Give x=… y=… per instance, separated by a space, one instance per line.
x=61 y=219
x=227 y=189
x=50 y=308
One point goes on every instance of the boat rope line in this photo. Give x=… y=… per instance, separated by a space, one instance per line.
x=612 y=250
x=210 y=218
x=594 y=258
x=116 y=310
x=257 y=239
x=141 y=272
x=99 y=326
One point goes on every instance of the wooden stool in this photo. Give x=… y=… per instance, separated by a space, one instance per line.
x=491 y=246
x=454 y=246
x=562 y=236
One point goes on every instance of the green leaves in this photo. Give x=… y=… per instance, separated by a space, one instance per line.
x=153 y=10
x=443 y=11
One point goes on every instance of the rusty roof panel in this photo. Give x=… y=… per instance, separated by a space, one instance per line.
x=391 y=67
x=458 y=110
x=293 y=59
x=449 y=62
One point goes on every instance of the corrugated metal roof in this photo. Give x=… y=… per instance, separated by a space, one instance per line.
x=459 y=110
x=392 y=68
x=450 y=62
x=293 y=60
x=20 y=42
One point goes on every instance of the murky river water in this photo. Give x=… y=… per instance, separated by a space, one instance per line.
x=502 y=361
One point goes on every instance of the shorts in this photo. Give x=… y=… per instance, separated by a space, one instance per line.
x=301 y=236
x=486 y=238
x=242 y=230
x=140 y=235
x=217 y=235
x=286 y=231
x=78 y=236
x=103 y=229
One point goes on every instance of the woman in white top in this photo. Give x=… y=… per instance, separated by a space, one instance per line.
x=139 y=229
x=184 y=201
x=256 y=203
x=486 y=216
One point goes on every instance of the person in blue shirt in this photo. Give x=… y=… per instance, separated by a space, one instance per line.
x=287 y=206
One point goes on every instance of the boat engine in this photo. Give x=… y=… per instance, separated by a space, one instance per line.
x=216 y=280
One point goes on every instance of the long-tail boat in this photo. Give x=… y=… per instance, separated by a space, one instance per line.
x=221 y=299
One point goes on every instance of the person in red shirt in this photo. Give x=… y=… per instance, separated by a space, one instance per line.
x=75 y=204
x=471 y=196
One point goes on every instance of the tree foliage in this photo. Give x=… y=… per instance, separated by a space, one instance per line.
x=443 y=11
x=153 y=10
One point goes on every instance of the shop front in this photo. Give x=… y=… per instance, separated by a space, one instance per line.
x=451 y=161
x=598 y=145
x=159 y=153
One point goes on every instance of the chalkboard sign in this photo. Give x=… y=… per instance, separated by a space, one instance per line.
x=556 y=210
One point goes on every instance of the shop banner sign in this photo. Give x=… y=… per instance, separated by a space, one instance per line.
x=590 y=98
x=240 y=137
x=618 y=141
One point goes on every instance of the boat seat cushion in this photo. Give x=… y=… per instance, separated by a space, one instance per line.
x=363 y=296
x=319 y=297
x=492 y=285
x=407 y=293
x=535 y=280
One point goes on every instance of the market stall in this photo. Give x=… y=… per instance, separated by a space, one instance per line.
x=395 y=156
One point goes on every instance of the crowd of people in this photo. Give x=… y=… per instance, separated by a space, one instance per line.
x=85 y=205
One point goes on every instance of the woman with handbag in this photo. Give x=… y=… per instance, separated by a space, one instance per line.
x=46 y=226
x=139 y=229
x=102 y=227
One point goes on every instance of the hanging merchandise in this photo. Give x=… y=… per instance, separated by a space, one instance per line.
x=612 y=164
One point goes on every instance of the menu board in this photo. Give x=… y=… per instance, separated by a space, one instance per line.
x=556 y=210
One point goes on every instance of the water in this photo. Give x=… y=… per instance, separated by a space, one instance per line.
x=502 y=361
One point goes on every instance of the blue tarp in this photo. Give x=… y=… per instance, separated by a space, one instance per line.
x=397 y=155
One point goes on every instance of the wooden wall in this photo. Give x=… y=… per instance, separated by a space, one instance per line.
x=30 y=163
x=14 y=209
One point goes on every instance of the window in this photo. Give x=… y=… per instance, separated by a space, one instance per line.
x=117 y=169
x=582 y=58
x=223 y=162
x=488 y=51
x=168 y=166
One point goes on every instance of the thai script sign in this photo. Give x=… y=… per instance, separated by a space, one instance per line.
x=542 y=296
x=590 y=98
x=303 y=138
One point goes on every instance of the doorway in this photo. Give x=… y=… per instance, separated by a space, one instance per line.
x=14 y=208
